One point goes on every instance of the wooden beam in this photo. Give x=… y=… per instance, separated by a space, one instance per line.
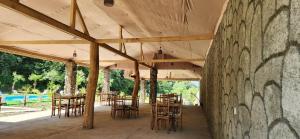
x=151 y=61
x=82 y=23
x=73 y=14
x=179 y=79
x=123 y=40
x=27 y=11
x=208 y=36
x=88 y=117
x=44 y=42
x=22 y=52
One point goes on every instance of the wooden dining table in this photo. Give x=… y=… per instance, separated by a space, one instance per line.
x=69 y=98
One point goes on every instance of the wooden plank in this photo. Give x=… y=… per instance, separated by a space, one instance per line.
x=73 y=14
x=179 y=79
x=22 y=52
x=124 y=40
x=27 y=11
x=208 y=36
x=44 y=42
x=88 y=117
x=82 y=23
x=152 y=61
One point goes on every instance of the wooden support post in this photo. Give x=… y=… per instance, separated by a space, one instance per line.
x=136 y=81
x=153 y=85
x=70 y=78
x=88 y=117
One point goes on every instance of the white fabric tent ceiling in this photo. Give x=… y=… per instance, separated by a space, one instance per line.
x=140 y=18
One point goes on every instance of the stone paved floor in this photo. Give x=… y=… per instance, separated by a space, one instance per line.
x=195 y=127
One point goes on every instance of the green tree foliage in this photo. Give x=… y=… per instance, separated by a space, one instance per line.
x=16 y=78
x=35 y=78
x=165 y=87
x=119 y=83
x=80 y=79
x=186 y=88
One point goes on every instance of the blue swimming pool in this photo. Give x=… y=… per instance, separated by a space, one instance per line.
x=8 y=98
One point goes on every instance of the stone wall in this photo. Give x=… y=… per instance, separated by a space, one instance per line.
x=251 y=81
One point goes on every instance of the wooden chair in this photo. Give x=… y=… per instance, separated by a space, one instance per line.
x=57 y=104
x=117 y=106
x=77 y=104
x=178 y=113
x=162 y=114
x=1 y=103
x=82 y=103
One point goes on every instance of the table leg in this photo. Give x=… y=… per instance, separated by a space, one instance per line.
x=68 y=107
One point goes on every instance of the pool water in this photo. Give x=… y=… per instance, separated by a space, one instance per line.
x=15 y=98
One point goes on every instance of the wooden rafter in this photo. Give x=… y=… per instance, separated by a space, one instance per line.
x=82 y=23
x=27 y=11
x=22 y=52
x=73 y=14
x=123 y=40
x=150 y=61
x=177 y=79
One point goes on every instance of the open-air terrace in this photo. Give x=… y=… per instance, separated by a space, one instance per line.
x=170 y=69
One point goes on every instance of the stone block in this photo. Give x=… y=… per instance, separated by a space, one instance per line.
x=295 y=19
x=268 y=10
x=276 y=35
x=248 y=93
x=259 y=126
x=281 y=131
x=244 y=117
x=272 y=102
x=271 y=70
x=291 y=87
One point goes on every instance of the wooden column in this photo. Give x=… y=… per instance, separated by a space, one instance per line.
x=88 y=117
x=70 y=77
x=143 y=91
x=106 y=81
x=153 y=85
x=136 y=81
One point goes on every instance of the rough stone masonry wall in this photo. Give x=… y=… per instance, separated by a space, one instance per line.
x=254 y=66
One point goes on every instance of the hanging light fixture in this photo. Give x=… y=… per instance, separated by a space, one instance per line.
x=74 y=54
x=160 y=51
x=109 y=3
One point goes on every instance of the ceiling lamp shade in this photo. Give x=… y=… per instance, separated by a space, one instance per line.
x=109 y=3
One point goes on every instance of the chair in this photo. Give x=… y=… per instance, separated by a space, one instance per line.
x=117 y=106
x=178 y=113
x=162 y=114
x=1 y=103
x=57 y=104
x=77 y=103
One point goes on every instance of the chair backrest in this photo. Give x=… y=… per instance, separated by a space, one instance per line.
x=56 y=97
x=117 y=101
x=162 y=109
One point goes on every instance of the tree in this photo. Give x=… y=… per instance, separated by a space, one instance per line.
x=80 y=78
x=35 y=78
x=16 y=78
